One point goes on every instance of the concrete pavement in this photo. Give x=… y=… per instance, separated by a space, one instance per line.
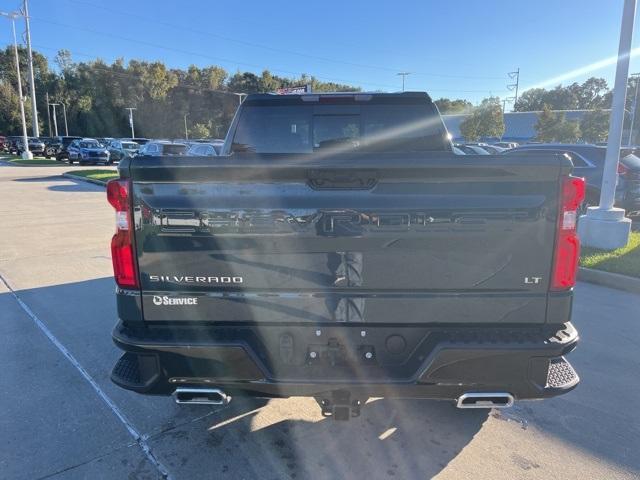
x=56 y=423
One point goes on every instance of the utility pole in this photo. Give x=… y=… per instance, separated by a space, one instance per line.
x=48 y=113
x=26 y=154
x=131 y=109
x=64 y=114
x=633 y=108
x=34 y=108
x=515 y=77
x=403 y=75
x=605 y=226
x=55 y=120
x=186 y=131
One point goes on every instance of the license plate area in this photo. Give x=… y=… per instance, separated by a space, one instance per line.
x=344 y=352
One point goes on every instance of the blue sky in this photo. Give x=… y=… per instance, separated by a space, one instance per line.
x=455 y=48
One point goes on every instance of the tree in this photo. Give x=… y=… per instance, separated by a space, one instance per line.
x=269 y=83
x=448 y=106
x=531 y=100
x=485 y=121
x=592 y=93
x=246 y=82
x=470 y=127
x=595 y=126
x=547 y=125
x=569 y=131
x=200 y=130
x=553 y=127
x=64 y=60
x=96 y=93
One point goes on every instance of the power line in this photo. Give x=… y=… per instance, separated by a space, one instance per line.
x=128 y=14
x=197 y=87
x=197 y=54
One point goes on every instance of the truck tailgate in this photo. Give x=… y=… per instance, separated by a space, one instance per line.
x=392 y=239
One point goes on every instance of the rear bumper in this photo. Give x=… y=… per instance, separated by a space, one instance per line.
x=403 y=362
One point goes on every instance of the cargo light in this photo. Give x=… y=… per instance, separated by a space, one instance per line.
x=122 y=253
x=567 y=253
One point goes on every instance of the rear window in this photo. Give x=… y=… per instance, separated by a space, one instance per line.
x=307 y=129
x=174 y=149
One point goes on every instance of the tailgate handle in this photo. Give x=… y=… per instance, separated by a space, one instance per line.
x=342 y=179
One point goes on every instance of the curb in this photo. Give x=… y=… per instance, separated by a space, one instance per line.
x=10 y=164
x=85 y=179
x=608 y=279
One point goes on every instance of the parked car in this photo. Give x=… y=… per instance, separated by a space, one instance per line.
x=58 y=147
x=267 y=274
x=138 y=140
x=160 y=148
x=457 y=150
x=506 y=145
x=471 y=149
x=119 y=149
x=87 y=150
x=493 y=149
x=202 y=150
x=11 y=144
x=36 y=146
x=105 y=141
x=588 y=162
x=3 y=141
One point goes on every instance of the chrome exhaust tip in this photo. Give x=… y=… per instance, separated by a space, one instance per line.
x=485 y=400
x=201 y=396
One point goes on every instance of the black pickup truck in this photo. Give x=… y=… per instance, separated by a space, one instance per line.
x=338 y=249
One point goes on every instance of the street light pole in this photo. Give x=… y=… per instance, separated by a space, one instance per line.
x=633 y=108
x=26 y=154
x=605 y=226
x=186 y=131
x=55 y=120
x=240 y=97
x=64 y=114
x=131 y=109
x=34 y=108
x=48 y=114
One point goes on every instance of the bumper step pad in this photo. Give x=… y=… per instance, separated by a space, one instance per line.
x=127 y=369
x=561 y=374
x=136 y=371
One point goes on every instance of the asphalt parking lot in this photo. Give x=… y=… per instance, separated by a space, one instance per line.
x=63 y=418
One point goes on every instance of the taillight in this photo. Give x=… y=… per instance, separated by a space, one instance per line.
x=122 y=253
x=622 y=169
x=567 y=254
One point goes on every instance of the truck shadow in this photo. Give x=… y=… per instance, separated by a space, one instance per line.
x=290 y=439
x=392 y=438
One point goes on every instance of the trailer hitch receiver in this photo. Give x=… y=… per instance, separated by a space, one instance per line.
x=339 y=405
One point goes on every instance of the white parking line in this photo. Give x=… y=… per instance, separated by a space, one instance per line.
x=140 y=439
